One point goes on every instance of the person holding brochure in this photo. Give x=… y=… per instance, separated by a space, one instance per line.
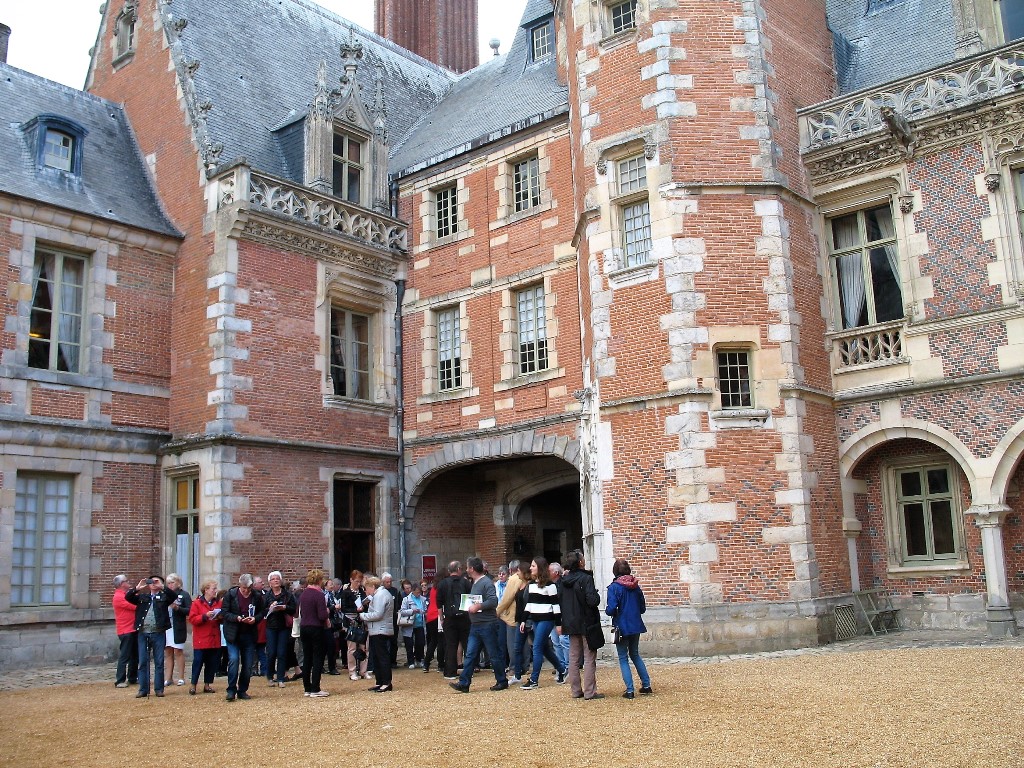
x=204 y=616
x=280 y=617
x=381 y=628
x=481 y=604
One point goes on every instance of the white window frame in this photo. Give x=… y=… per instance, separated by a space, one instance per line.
x=446 y=211
x=526 y=184
x=895 y=505
x=633 y=207
x=532 y=350
x=449 y=348
x=59 y=341
x=542 y=41
x=347 y=340
x=186 y=547
x=346 y=164
x=46 y=573
x=58 y=150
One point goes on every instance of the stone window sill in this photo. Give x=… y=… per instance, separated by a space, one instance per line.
x=460 y=393
x=740 y=418
x=528 y=379
x=617 y=39
x=518 y=216
x=348 y=403
x=122 y=60
x=638 y=273
x=925 y=571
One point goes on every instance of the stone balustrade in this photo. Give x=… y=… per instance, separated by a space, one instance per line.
x=864 y=346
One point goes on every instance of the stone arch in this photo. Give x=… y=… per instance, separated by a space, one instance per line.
x=527 y=443
x=860 y=444
x=1009 y=451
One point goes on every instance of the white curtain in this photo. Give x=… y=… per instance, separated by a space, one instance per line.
x=70 y=328
x=888 y=231
x=845 y=234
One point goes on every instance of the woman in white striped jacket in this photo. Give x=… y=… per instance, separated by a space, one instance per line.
x=543 y=609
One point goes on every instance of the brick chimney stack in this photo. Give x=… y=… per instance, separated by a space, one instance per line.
x=5 y=35
x=442 y=31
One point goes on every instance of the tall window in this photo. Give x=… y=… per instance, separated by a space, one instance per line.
x=124 y=33
x=1011 y=13
x=928 y=513
x=58 y=297
x=526 y=184
x=41 y=554
x=865 y=263
x=734 y=378
x=1018 y=181
x=540 y=38
x=350 y=353
x=185 y=524
x=631 y=183
x=623 y=16
x=348 y=167
x=449 y=350
x=532 y=328
x=354 y=531
x=446 y=210
x=58 y=151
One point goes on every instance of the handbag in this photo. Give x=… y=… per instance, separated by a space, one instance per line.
x=595 y=636
x=617 y=637
x=407 y=621
x=356 y=633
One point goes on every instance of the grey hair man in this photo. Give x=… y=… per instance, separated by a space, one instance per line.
x=242 y=608
x=127 y=637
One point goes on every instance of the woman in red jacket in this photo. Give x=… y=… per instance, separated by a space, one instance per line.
x=205 y=617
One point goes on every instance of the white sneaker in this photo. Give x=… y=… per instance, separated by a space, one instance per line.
x=353 y=677
x=412 y=666
x=319 y=694
x=515 y=680
x=180 y=682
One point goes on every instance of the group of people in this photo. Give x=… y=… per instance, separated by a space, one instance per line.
x=511 y=623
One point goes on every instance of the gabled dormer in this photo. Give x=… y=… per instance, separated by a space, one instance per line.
x=56 y=144
x=346 y=149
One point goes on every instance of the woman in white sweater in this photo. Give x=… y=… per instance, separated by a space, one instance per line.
x=381 y=628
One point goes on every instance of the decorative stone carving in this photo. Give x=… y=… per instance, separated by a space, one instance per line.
x=871 y=347
x=602 y=166
x=899 y=128
x=191 y=67
x=650 y=147
x=227 y=185
x=317 y=247
x=204 y=107
x=906 y=203
x=351 y=55
x=992 y=181
x=179 y=25
x=211 y=154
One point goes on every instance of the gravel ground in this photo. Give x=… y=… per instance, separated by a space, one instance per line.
x=953 y=707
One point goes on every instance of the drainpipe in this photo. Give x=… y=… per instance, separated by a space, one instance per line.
x=400 y=397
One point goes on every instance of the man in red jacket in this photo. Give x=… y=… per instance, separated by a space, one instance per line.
x=124 y=622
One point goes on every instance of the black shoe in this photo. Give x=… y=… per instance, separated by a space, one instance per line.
x=383 y=688
x=628 y=695
x=244 y=696
x=646 y=691
x=141 y=695
x=230 y=697
x=333 y=672
x=426 y=668
x=459 y=687
x=499 y=686
x=595 y=696
x=159 y=694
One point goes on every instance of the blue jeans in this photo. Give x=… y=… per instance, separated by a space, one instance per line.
x=151 y=644
x=241 y=654
x=542 y=650
x=277 y=652
x=482 y=636
x=560 y=645
x=630 y=649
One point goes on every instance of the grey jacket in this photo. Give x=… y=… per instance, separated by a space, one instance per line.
x=378 y=616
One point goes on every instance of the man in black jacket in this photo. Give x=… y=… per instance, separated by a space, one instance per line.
x=453 y=619
x=243 y=607
x=152 y=620
x=579 y=602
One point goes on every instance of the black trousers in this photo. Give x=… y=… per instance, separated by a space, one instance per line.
x=380 y=656
x=128 y=658
x=433 y=636
x=456 y=633
x=312 y=657
x=331 y=649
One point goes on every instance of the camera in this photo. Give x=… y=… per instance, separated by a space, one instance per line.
x=149 y=581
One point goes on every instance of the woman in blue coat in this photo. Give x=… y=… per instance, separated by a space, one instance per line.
x=625 y=605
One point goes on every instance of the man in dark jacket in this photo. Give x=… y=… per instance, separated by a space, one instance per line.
x=579 y=602
x=242 y=608
x=453 y=619
x=152 y=620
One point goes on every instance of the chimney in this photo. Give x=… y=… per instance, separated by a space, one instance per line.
x=5 y=35
x=441 y=31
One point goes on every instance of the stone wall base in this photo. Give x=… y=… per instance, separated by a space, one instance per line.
x=39 y=645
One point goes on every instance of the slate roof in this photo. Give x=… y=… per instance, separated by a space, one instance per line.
x=258 y=63
x=114 y=183
x=876 y=41
x=504 y=94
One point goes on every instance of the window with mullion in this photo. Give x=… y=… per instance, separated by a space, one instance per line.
x=41 y=551
x=532 y=330
x=541 y=39
x=446 y=211
x=185 y=530
x=58 y=299
x=864 y=258
x=734 y=378
x=350 y=354
x=526 y=184
x=928 y=514
x=58 y=150
x=348 y=167
x=631 y=180
x=125 y=33
x=1018 y=188
x=623 y=16
x=449 y=350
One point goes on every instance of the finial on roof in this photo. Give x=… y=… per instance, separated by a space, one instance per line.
x=322 y=103
x=495 y=44
x=379 y=111
x=351 y=54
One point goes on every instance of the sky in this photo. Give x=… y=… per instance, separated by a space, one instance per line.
x=52 y=38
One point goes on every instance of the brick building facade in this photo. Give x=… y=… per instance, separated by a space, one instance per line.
x=731 y=289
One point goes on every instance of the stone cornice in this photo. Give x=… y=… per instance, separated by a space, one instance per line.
x=889 y=391
x=504 y=429
x=198 y=442
x=72 y=221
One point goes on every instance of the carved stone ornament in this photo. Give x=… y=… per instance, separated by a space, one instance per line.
x=650 y=148
x=351 y=115
x=992 y=181
x=314 y=246
x=906 y=203
x=179 y=25
x=191 y=67
x=211 y=154
x=204 y=106
x=227 y=185
x=602 y=166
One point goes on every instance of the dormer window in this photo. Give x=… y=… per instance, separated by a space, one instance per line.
x=540 y=39
x=58 y=150
x=56 y=143
x=348 y=167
